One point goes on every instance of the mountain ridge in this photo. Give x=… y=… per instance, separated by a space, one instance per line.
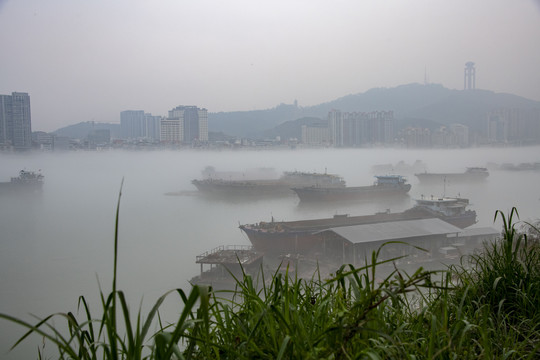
x=431 y=102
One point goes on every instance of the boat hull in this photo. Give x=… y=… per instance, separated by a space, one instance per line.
x=271 y=187
x=304 y=236
x=317 y=194
x=434 y=178
x=252 y=188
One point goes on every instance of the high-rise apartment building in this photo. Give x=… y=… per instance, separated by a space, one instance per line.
x=188 y=123
x=461 y=134
x=513 y=125
x=136 y=124
x=316 y=134
x=132 y=124
x=171 y=131
x=15 y=121
x=415 y=137
x=359 y=128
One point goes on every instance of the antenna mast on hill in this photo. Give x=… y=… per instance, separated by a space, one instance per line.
x=469 y=82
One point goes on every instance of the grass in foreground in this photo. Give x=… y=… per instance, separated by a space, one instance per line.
x=488 y=307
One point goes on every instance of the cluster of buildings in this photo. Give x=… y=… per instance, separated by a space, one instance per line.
x=188 y=126
x=513 y=126
x=183 y=125
x=503 y=126
x=454 y=135
x=358 y=129
x=351 y=129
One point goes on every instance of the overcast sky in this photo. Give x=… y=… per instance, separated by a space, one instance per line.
x=89 y=60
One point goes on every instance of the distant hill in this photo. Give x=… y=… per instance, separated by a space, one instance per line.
x=401 y=99
x=430 y=104
x=291 y=129
x=252 y=123
x=470 y=107
x=82 y=129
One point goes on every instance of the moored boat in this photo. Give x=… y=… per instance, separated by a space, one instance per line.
x=261 y=173
x=27 y=181
x=281 y=186
x=302 y=235
x=385 y=185
x=225 y=264
x=471 y=174
x=450 y=209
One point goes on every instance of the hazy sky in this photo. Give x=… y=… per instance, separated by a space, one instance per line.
x=89 y=60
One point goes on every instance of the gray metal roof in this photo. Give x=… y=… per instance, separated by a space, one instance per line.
x=479 y=231
x=395 y=230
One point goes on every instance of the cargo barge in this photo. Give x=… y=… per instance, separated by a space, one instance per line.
x=303 y=235
x=275 y=187
x=385 y=185
x=472 y=174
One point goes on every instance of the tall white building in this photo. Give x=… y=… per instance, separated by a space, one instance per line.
x=192 y=124
x=171 y=131
x=335 y=127
x=461 y=133
x=315 y=134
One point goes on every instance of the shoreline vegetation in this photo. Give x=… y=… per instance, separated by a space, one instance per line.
x=486 y=307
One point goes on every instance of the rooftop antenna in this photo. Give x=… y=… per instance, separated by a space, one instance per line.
x=444 y=187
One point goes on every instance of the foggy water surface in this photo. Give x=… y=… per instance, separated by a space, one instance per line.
x=55 y=246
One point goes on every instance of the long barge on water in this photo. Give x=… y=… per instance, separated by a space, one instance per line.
x=281 y=186
x=302 y=235
x=471 y=174
x=385 y=185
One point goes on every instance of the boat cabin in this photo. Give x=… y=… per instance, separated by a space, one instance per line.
x=386 y=180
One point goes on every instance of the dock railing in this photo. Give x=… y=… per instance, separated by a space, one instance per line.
x=224 y=248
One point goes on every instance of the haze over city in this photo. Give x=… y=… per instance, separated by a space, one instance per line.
x=84 y=61
x=154 y=101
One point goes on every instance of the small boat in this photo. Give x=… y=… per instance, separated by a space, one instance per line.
x=450 y=209
x=27 y=181
x=385 y=185
x=471 y=174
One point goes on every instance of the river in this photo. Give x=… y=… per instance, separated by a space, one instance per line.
x=58 y=245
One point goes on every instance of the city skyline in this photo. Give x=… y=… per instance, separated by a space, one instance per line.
x=102 y=58
x=188 y=125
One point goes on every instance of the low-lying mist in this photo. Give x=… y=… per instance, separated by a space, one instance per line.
x=54 y=244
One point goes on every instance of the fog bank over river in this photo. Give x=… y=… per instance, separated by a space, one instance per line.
x=53 y=245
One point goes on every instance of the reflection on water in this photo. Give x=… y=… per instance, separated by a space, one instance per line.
x=54 y=246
